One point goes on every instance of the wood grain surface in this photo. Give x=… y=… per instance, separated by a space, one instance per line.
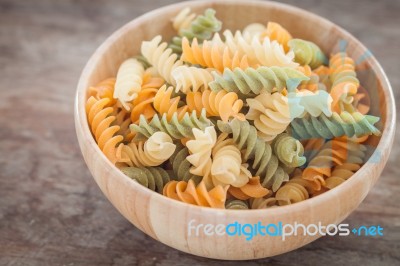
x=51 y=210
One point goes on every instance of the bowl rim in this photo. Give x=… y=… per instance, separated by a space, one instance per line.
x=384 y=143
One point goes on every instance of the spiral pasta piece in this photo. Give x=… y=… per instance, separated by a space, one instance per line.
x=191 y=79
x=161 y=58
x=223 y=104
x=201 y=28
x=271 y=114
x=290 y=193
x=143 y=104
x=200 y=150
x=129 y=81
x=354 y=151
x=122 y=119
x=183 y=20
x=165 y=104
x=320 y=166
x=314 y=103
x=156 y=150
x=153 y=178
x=236 y=204
x=174 y=127
x=276 y=32
x=181 y=166
x=250 y=82
x=289 y=150
x=311 y=147
x=189 y=193
x=362 y=101
x=312 y=188
x=313 y=84
x=100 y=121
x=344 y=124
x=212 y=55
x=307 y=53
x=146 y=65
x=105 y=89
x=263 y=203
x=296 y=190
x=340 y=174
x=265 y=163
x=226 y=167
x=323 y=73
x=253 y=29
x=344 y=81
x=259 y=51
x=333 y=153
x=252 y=189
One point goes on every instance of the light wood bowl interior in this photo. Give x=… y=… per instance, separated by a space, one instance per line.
x=167 y=220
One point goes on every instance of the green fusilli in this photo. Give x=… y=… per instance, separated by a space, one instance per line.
x=177 y=129
x=181 y=166
x=345 y=124
x=236 y=205
x=265 y=163
x=289 y=150
x=201 y=28
x=250 y=82
x=153 y=178
x=307 y=53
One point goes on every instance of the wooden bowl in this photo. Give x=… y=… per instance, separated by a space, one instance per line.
x=167 y=220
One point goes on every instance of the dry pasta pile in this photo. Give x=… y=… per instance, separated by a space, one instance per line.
x=239 y=120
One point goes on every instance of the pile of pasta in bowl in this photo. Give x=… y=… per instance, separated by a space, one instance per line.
x=249 y=119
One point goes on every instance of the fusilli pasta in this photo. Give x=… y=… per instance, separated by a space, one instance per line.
x=181 y=166
x=183 y=20
x=263 y=203
x=242 y=119
x=271 y=114
x=250 y=82
x=345 y=124
x=313 y=83
x=276 y=32
x=252 y=189
x=142 y=105
x=100 y=121
x=161 y=58
x=236 y=204
x=314 y=103
x=265 y=163
x=177 y=129
x=191 y=78
x=154 y=178
x=197 y=195
x=129 y=81
x=223 y=104
x=212 y=55
x=226 y=168
x=289 y=150
x=201 y=28
x=259 y=51
x=200 y=150
x=340 y=174
x=156 y=150
x=307 y=53
x=165 y=104
x=105 y=89
x=344 y=81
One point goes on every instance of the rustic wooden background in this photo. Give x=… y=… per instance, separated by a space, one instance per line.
x=52 y=212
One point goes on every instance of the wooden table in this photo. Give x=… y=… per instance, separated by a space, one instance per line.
x=52 y=212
